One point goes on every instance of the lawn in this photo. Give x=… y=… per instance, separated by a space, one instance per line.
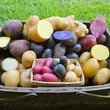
x=82 y=9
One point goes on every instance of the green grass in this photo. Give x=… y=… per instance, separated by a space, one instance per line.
x=82 y=9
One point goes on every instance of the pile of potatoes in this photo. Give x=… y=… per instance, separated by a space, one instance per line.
x=54 y=37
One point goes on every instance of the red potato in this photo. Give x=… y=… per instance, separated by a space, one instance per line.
x=46 y=69
x=48 y=62
x=49 y=77
x=87 y=42
x=37 y=69
x=98 y=26
x=37 y=77
x=101 y=39
x=41 y=62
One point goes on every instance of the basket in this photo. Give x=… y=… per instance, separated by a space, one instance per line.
x=77 y=83
x=42 y=97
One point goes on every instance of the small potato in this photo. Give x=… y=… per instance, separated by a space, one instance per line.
x=84 y=57
x=102 y=76
x=11 y=78
x=77 y=70
x=27 y=58
x=70 y=67
x=70 y=77
x=37 y=77
x=21 y=68
x=103 y=64
x=49 y=77
x=90 y=67
x=25 y=78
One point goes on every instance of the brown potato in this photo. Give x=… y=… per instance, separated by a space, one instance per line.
x=102 y=76
x=27 y=58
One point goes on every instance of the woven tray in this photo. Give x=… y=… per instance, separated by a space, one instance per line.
x=41 y=83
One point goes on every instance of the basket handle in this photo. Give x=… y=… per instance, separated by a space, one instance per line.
x=94 y=95
x=19 y=97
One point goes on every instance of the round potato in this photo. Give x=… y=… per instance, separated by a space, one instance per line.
x=27 y=58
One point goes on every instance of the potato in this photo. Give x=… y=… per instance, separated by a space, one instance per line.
x=100 y=52
x=90 y=67
x=27 y=58
x=49 y=77
x=40 y=32
x=37 y=77
x=70 y=67
x=13 y=29
x=11 y=78
x=18 y=47
x=102 y=76
x=21 y=68
x=84 y=57
x=9 y=64
x=103 y=64
x=25 y=78
x=30 y=22
x=70 y=77
x=78 y=71
x=87 y=42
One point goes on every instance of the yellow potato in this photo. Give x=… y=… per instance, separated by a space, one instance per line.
x=77 y=70
x=103 y=64
x=70 y=67
x=90 y=67
x=11 y=78
x=27 y=58
x=70 y=77
x=84 y=57
x=102 y=76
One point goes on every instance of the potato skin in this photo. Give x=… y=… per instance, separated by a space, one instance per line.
x=50 y=77
x=13 y=29
x=11 y=78
x=18 y=47
x=27 y=58
x=102 y=76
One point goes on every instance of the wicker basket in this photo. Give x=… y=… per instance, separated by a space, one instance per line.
x=78 y=83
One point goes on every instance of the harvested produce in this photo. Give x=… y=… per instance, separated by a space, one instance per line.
x=102 y=76
x=98 y=26
x=37 y=69
x=100 y=52
x=9 y=63
x=4 y=42
x=48 y=62
x=37 y=77
x=84 y=57
x=72 y=55
x=25 y=78
x=30 y=22
x=59 y=50
x=75 y=48
x=47 y=53
x=63 y=60
x=60 y=70
x=28 y=57
x=70 y=77
x=13 y=29
x=46 y=69
x=70 y=67
x=68 y=23
x=40 y=32
x=37 y=48
x=53 y=64
x=103 y=63
x=101 y=39
x=66 y=37
x=18 y=47
x=87 y=42
x=11 y=78
x=21 y=68
x=90 y=67
x=50 y=77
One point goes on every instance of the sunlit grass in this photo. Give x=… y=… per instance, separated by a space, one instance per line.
x=81 y=9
